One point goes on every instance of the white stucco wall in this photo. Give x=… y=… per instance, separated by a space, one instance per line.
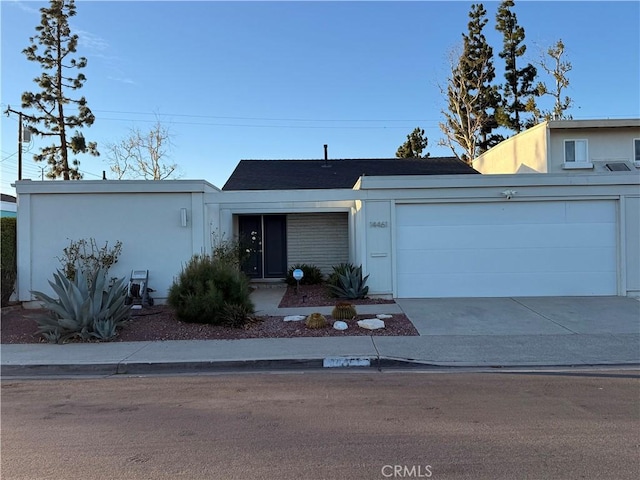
x=522 y=153
x=145 y=217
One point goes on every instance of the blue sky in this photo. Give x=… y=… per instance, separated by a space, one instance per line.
x=275 y=80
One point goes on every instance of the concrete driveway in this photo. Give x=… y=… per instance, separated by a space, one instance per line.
x=523 y=315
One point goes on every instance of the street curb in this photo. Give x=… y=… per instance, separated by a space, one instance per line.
x=213 y=366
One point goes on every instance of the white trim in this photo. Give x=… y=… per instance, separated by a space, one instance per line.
x=621 y=246
x=577 y=166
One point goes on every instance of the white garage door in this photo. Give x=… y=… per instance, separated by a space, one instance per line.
x=506 y=249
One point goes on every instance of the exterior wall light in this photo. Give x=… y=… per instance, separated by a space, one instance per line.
x=183 y=217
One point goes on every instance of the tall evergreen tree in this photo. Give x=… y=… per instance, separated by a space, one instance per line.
x=416 y=142
x=477 y=67
x=52 y=47
x=518 y=92
x=471 y=99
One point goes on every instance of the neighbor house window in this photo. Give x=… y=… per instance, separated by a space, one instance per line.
x=575 y=151
x=636 y=150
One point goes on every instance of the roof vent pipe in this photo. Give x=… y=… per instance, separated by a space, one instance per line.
x=326 y=156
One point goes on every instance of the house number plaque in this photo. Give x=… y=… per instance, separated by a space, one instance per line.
x=378 y=224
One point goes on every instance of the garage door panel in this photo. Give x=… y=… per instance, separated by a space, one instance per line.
x=504 y=236
x=545 y=248
x=478 y=214
x=512 y=285
x=590 y=211
x=521 y=260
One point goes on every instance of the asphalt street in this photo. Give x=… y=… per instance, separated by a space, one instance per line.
x=324 y=425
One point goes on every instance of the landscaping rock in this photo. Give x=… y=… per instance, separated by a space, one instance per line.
x=371 y=323
x=340 y=325
x=294 y=318
x=382 y=316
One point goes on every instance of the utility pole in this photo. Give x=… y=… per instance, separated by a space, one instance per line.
x=20 y=131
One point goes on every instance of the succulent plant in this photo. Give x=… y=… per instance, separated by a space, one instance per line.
x=316 y=320
x=86 y=307
x=343 y=311
x=350 y=284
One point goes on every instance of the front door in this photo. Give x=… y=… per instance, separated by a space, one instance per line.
x=265 y=237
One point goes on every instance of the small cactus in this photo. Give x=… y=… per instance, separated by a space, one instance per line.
x=343 y=311
x=316 y=320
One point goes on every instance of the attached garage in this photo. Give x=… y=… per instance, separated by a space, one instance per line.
x=506 y=248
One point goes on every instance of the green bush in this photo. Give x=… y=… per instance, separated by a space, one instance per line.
x=312 y=275
x=206 y=289
x=8 y=266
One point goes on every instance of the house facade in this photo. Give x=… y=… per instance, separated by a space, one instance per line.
x=564 y=146
x=455 y=235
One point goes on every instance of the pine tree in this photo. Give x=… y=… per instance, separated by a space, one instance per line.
x=415 y=144
x=471 y=99
x=52 y=48
x=518 y=92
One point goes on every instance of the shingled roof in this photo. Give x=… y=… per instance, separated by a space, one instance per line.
x=326 y=174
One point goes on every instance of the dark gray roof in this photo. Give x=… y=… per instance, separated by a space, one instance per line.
x=8 y=198
x=323 y=174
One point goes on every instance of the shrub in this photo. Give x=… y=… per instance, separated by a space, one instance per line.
x=233 y=252
x=86 y=307
x=350 y=285
x=236 y=316
x=312 y=275
x=8 y=266
x=88 y=257
x=207 y=286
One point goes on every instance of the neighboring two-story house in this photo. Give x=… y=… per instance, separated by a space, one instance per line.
x=577 y=146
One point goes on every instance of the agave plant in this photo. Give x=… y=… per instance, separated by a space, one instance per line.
x=350 y=284
x=86 y=307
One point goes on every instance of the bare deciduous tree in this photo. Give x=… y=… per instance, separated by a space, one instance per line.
x=143 y=155
x=557 y=68
x=464 y=118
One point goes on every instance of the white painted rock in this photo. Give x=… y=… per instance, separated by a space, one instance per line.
x=382 y=316
x=294 y=318
x=371 y=323
x=340 y=325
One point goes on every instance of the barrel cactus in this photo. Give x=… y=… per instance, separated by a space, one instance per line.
x=343 y=311
x=316 y=320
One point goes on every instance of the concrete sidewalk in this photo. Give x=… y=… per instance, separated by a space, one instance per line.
x=479 y=332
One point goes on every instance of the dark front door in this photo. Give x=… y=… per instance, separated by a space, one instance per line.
x=275 y=246
x=265 y=237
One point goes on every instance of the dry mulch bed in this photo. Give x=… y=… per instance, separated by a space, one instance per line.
x=159 y=323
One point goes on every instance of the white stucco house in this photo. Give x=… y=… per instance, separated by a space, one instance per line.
x=419 y=228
